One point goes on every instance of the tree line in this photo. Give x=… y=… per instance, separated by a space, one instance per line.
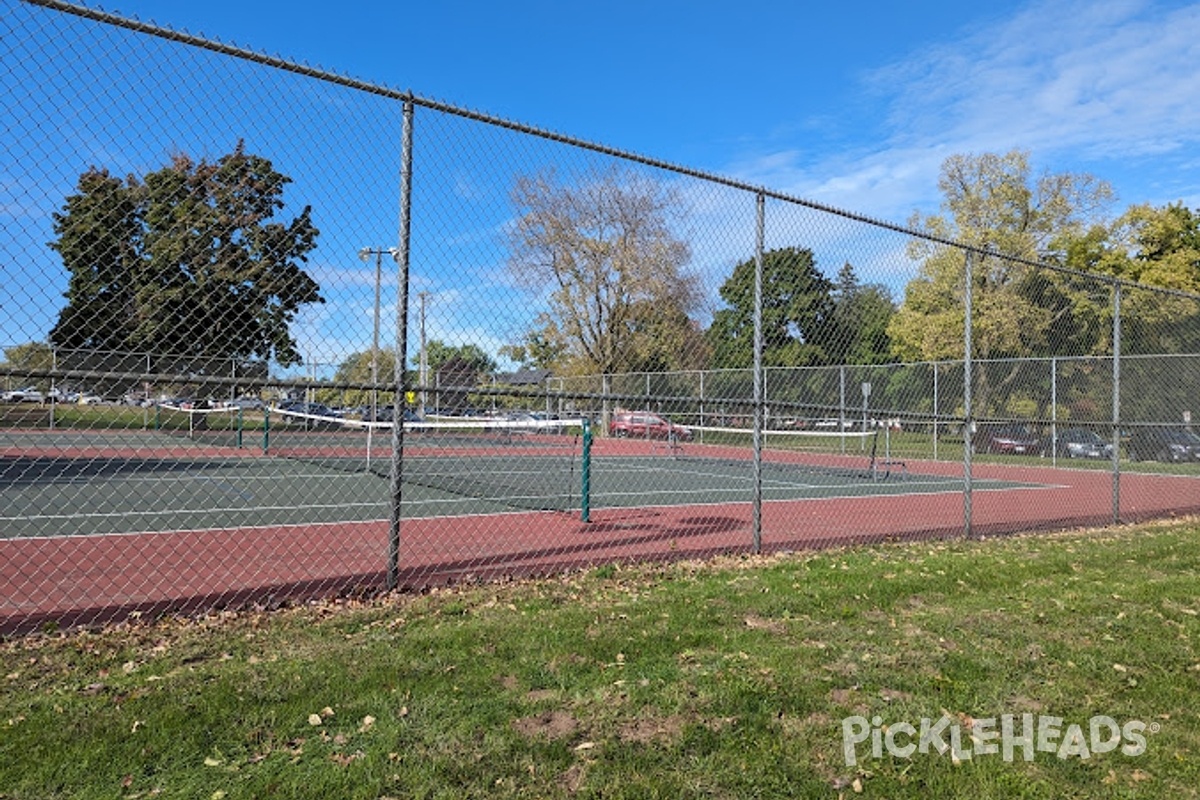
x=192 y=260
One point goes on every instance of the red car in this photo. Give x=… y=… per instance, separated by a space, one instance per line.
x=644 y=425
x=1012 y=439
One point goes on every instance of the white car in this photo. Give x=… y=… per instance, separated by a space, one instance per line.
x=29 y=394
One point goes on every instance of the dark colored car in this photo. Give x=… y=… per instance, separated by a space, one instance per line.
x=314 y=409
x=644 y=425
x=1010 y=439
x=386 y=413
x=1163 y=444
x=1082 y=443
x=310 y=416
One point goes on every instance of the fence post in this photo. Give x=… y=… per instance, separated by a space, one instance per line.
x=842 y=407
x=935 y=410
x=968 y=415
x=1054 y=411
x=756 y=513
x=401 y=358
x=1116 y=404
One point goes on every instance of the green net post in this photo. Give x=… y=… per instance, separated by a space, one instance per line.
x=239 y=428
x=585 y=490
x=157 y=416
x=266 y=429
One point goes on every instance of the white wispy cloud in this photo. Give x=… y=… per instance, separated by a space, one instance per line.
x=1107 y=88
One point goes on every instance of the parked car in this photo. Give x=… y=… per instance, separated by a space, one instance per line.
x=312 y=416
x=1082 y=443
x=644 y=425
x=386 y=413
x=1008 y=439
x=1163 y=443
x=305 y=407
x=29 y=394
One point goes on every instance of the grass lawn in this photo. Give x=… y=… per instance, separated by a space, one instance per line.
x=736 y=678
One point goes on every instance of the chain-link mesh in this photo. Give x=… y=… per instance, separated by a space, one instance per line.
x=270 y=332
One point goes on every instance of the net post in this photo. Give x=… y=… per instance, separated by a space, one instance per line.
x=158 y=416
x=266 y=429
x=239 y=428
x=585 y=469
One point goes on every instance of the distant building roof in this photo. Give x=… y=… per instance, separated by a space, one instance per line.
x=523 y=377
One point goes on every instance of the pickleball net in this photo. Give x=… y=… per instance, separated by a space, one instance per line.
x=528 y=464
x=849 y=454
x=211 y=427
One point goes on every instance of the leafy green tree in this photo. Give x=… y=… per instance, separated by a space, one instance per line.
x=28 y=357
x=861 y=314
x=455 y=370
x=1157 y=247
x=995 y=203
x=992 y=202
x=797 y=313
x=540 y=348
x=188 y=262
x=467 y=356
x=619 y=299
x=359 y=367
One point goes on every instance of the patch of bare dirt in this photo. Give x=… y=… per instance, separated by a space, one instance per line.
x=548 y=724
x=645 y=730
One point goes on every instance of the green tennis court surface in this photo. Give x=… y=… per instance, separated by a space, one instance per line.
x=75 y=483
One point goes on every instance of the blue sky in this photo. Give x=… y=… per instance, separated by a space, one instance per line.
x=851 y=104
x=855 y=106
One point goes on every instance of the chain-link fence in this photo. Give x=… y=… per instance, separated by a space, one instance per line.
x=274 y=333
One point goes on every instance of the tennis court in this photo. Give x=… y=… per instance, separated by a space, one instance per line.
x=74 y=483
x=100 y=523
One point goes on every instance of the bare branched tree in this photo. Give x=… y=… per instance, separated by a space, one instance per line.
x=614 y=267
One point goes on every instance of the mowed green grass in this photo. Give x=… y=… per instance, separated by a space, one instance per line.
x=726 y=679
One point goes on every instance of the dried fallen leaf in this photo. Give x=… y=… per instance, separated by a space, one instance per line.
x=345 y=760
x=367 y=723
x=314 y=719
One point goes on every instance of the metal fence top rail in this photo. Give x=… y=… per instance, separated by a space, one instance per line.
x=407 y=96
